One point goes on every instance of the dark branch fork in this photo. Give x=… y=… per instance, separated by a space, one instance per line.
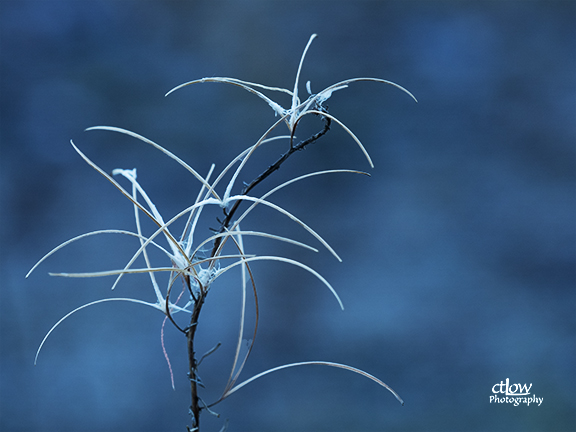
x=275 y=166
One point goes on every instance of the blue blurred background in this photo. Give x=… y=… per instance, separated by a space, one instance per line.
x=458 y=253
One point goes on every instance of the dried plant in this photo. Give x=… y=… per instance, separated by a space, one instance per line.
x=188 y=258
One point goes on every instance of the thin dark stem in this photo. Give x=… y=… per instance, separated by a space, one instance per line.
x=196 y=407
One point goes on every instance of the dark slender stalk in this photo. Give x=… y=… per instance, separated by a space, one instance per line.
x=193 y=365
x=195 y=407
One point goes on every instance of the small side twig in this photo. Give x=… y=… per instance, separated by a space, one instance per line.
x=275 y=166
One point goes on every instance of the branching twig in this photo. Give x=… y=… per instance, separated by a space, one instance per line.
x=195 y=408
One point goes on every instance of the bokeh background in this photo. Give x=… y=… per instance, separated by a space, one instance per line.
x=458 y=253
